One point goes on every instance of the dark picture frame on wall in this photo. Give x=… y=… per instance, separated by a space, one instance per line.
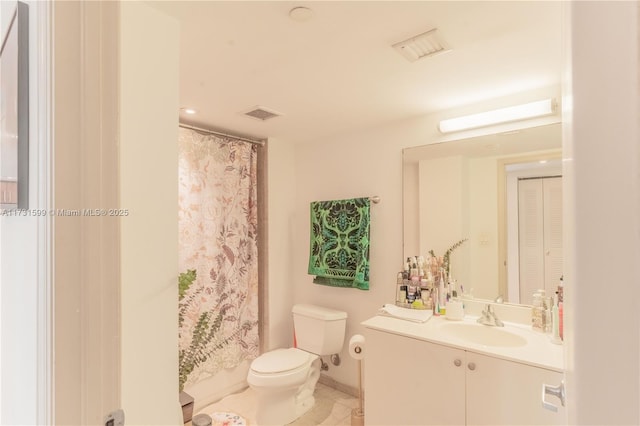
x=14 y=111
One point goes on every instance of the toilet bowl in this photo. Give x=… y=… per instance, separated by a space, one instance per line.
x=284 y=379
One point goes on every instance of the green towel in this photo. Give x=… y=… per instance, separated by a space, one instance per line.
x=339 y=253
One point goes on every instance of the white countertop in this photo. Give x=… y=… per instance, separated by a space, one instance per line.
x=539 y=351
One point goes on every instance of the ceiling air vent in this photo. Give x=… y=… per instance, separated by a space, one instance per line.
x=421 y=46
x=261 y=113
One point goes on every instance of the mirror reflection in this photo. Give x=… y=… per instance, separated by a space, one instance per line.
x=503 y=193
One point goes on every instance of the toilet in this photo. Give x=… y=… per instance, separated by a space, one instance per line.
x=284 y=379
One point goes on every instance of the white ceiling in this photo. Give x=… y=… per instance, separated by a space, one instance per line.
x=337 y=73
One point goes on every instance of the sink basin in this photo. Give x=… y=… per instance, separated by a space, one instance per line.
x=484 y=335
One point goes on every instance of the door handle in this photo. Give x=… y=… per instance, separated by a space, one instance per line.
x=554 y=391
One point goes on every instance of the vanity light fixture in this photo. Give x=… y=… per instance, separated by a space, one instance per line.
x=497 y=116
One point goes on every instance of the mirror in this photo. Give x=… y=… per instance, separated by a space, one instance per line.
x=502 y=193
x=14 y=113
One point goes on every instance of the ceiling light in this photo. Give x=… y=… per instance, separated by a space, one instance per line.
x=503 y=115
x=301 y=14
x=422 y=45
x=188 y=110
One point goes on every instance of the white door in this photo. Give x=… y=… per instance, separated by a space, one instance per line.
x=540 y=235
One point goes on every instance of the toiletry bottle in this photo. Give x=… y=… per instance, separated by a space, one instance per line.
x=424 y=290
x=537 y=313
x=548 y=306
x=561 y=290
x=411 y=292
x=555 y=337
x=560 y=320
x=399 y=281
x=441 y=292
x=427 y=301
x=403 y=294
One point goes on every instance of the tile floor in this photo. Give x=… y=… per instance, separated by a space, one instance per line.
x=332 y=407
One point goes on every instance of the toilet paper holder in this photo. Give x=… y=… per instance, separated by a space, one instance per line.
x=356 y=349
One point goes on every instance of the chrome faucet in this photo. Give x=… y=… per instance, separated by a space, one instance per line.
x=489 y=317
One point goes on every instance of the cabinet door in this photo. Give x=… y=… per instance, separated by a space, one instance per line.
x=501 y=392
x=412 y=382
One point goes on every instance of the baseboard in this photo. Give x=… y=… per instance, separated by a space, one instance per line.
x=333 y=383
x=214 y=388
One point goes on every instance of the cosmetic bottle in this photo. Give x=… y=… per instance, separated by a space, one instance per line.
x=560 y=320
x=411 y=293
x=424 y=290
x=555 y=335
x=561 y=290
x=548 y=318
x=403 y=294
x=441 y=292
x=538 y=312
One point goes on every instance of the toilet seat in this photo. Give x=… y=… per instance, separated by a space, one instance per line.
x=281 y=369
x=280 y=361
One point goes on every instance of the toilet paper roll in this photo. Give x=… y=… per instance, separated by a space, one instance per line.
x=356 y=346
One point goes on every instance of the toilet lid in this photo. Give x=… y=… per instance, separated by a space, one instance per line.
x=279 y=360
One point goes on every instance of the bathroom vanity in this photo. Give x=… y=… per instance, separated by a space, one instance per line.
x=459 y=373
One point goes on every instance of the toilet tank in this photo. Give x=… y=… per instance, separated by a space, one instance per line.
x=319 y=330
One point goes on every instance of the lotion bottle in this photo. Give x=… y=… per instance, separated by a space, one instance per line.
x=560 y=320
x=441 y=293
x=555 y=336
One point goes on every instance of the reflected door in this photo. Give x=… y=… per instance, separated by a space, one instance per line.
x=540 y=235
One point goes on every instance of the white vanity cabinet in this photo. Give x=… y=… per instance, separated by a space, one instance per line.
x=412 y=382
x=501 y=392
x=409 y=381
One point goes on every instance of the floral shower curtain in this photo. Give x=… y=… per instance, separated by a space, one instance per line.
x=218 y=284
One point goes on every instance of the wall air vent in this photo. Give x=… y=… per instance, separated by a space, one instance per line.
x=261 y=113
x=422 y=46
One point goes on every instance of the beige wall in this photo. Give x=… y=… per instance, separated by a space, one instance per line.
x=483 y=227
x=442 y=188
x=149 y=62
x=361 y=165
x=281 y=201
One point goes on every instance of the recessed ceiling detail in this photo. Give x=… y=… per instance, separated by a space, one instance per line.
x=422 y=46
x=301 y=14
x=261 y=113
